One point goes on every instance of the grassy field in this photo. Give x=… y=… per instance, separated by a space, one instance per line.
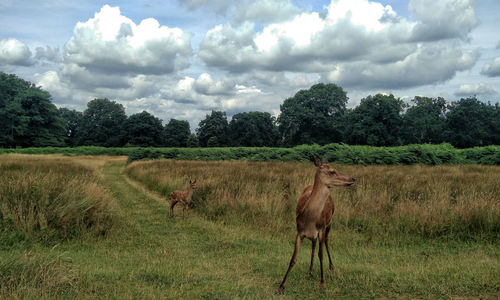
x=440 y=201
x=239 y=237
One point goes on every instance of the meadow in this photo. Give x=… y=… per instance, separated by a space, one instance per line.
x=459 y=202
x=411 y=231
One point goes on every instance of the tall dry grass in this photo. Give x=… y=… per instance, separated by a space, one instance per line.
x=429 y=201
x=52 y=196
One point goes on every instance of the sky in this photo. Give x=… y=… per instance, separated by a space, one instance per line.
x=183 y=59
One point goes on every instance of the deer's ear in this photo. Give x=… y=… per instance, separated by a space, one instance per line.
x=194 y=181
x=324 y=160
x=317 y=162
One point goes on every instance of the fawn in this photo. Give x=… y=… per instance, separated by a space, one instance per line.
x=183 y=196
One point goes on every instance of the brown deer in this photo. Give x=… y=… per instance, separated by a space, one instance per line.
x=314 y=214
x=183 y=196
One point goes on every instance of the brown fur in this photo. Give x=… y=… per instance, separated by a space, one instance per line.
x=314 y=215
x=182 y=196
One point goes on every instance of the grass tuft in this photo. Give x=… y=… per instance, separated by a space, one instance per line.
x=52 y=198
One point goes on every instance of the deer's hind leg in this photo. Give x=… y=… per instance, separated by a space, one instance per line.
x=173 y=202
x=328 y=228
x=298 y=243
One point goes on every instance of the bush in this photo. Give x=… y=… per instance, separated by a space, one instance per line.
x=425 y=154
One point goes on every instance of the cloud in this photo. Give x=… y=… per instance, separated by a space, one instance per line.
x=48 y=54
x=264 y=11
x=205 y=85
x=439 y=20
x=219 y=6
x=467 y=90
x=111 y=56
x=14 y=52
x=430 y=64
x=114 y=44
x=492 y=69
x=357 y=43
x=247 y=10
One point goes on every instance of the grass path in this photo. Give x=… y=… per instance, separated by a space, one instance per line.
x=153 y=256
x=148 y=255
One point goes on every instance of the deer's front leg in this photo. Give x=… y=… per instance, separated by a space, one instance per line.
x=320 y=254
x=313 y=248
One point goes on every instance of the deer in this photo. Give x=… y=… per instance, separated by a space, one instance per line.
x=182 y=196
x=314 y=214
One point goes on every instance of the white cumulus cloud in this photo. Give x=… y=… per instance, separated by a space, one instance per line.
x=468 y=90
x=492 y=69
x=112 y=43
x=359 y=43
x=14 y=52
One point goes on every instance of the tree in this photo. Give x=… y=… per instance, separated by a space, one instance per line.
x=177 y=133
x=253 y=129
x=213 y=142
x=214 y=125
x=192 y=141
x=27 y=116
x=73 y=119
x=145 y=130
x=468 y=123
x=376 y=121
x=425 y=122
x=103 y=124
x=313 y=116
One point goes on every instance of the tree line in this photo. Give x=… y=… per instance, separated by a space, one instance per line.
x=315 y=116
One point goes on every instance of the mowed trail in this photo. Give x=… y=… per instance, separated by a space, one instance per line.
x=153 y=255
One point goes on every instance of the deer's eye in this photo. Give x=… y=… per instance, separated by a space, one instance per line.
x=332 y=172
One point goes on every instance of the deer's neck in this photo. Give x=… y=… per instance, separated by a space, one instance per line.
x=190 y=193
x=319 y=194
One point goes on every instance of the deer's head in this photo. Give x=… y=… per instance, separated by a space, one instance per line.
x=192 y=184
x=330 y=176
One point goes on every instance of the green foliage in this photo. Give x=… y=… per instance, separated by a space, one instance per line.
x=376 y=121
x=103 y=124
x=145 y=153
x=213 y=142
x=313 y=116
x=27 y=117
x=80 y=150
x=473 y=123
x=73 y=119
x=425 y=154
x=192 y=141
x=177 y=133
x=145 y=130
x=425 y=122
x=489 y=155
x=253 y=129
x=214 y=125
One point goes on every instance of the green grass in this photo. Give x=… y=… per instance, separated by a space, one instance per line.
x=147 y=255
